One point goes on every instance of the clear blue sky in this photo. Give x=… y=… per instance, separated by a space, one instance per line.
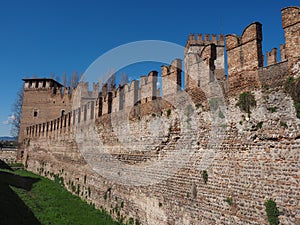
x=43 y=37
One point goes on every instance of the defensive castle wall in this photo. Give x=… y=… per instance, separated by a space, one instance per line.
x=194 y=156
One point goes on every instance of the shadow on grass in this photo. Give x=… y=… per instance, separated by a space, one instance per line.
x=3 y=165
x=13 y=210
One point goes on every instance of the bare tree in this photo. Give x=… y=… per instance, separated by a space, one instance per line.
x=64 y=79
x=17 y=113
x=111 y=79
x=123 y=79
x=73 y=80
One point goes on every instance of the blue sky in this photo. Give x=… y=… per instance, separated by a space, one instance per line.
x=43 y=37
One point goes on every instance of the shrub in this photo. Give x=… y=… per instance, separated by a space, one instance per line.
x=205 y=176
x=246 y=101
x=272 y=212
x=221 y=115
x=168 y=112
x=266 y=87
x=229 y=201
x=198 y=105
x=272 y=109
x=283 y=124
x=259 y=125
x=130 y=221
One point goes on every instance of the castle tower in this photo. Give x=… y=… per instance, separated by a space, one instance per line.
x=43 y=101
x=171 y=77
x=244 y=58
x=204 y=62
x=149 y=87
x=193 y=50
x=291 y=27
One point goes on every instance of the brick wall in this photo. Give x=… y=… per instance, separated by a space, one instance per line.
x=145 y=159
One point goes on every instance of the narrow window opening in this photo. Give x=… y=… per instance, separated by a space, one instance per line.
x=35 y=113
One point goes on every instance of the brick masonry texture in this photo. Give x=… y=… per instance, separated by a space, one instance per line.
x=8 y=156
x=249 y=157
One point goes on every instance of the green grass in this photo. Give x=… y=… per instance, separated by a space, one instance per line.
x=47 y=203
x=15 y=165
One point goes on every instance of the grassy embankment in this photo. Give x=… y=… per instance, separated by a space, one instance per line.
x=26 y=198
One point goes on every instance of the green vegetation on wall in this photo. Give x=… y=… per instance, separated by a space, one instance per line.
x=292 y=86
x=168 y=112
x=272 y=109
x=259 y=125
x=272 y=212
x=229 y=201
x=246 y=102
x=204 y=176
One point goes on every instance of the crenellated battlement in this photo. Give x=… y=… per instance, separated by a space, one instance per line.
x=245 y=51
x=204 y=63
x=205 y=39
x=282 y=52
x=244 y=58
x=272 y=57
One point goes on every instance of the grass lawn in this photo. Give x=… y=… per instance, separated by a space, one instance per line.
x=28 y=199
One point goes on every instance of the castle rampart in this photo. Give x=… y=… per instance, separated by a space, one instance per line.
x=253 y=155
